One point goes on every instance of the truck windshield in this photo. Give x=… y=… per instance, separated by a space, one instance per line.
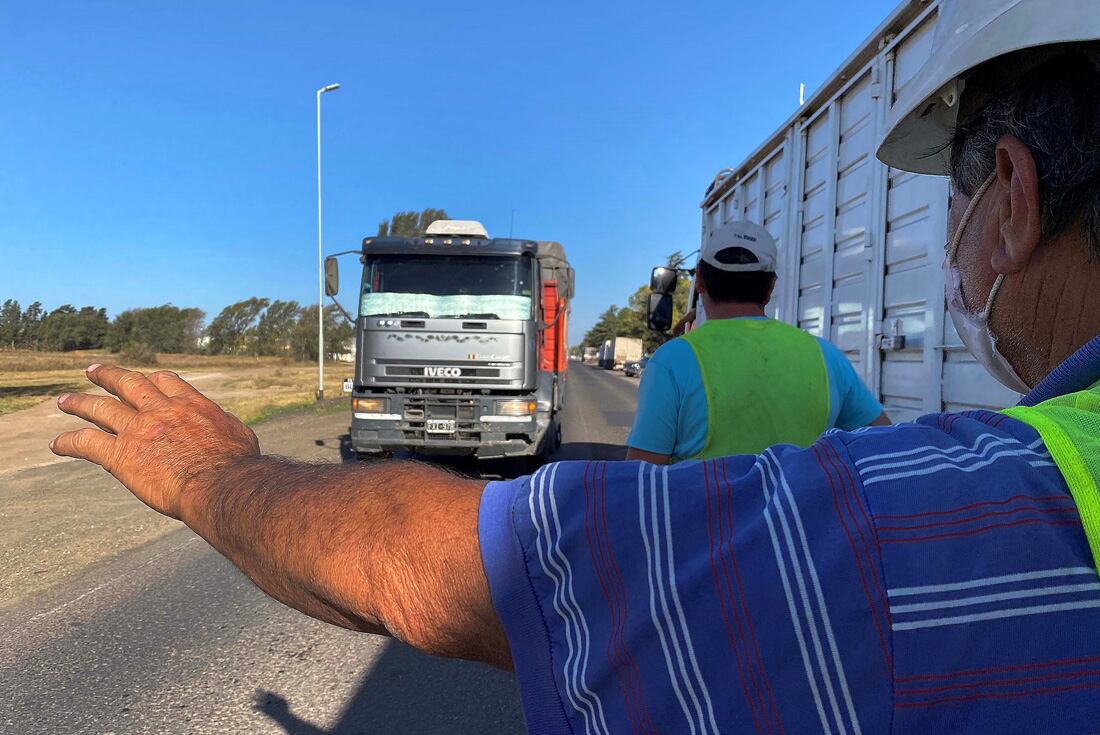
x=447 y=286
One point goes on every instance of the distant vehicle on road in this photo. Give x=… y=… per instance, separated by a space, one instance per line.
x=619 y=351
x=591 y=355
x=604 y=355
x=635 y=368
x=460 y=343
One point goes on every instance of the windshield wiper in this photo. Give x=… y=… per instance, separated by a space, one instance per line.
x=469 y=316
x=422 y=314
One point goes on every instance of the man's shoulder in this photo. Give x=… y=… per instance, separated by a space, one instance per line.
x=834 y=358
x=673 y=355
x=993 y=436
x=943 y=464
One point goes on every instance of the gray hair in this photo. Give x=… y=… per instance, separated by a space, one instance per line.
x=1055 y=111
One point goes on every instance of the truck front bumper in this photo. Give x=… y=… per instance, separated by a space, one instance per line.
x=478 y=431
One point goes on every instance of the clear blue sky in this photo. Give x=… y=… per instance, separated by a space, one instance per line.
x=156 y=152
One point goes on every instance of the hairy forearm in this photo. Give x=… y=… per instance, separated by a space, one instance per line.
x=385 y=548
x=644 y=456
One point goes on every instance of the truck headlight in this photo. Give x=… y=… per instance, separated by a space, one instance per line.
x=370 y=405
x=520 y=407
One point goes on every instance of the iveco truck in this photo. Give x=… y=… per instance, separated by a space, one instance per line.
x=460 y=343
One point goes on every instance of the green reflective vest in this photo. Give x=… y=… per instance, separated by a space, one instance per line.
x=1070 y=427
x=766 y=383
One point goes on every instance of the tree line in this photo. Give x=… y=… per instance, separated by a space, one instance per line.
x=630 y=320
x=255 y=326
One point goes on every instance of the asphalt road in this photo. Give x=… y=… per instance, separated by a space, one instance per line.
x=169 y=638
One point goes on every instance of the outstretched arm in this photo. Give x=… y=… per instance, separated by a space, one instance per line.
x=385 y=548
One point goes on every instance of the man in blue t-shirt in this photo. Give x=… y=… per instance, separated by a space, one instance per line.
x=742 y=382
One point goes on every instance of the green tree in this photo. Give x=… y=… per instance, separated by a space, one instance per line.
x=410 y=223
x=163 y=328
x=605 y=328
x=631 y=320
x=639 y=304
x=30 y=326
x=10 y=314
x=233 y=329
x=339 y=334
x=65 y=328
x=275 y=330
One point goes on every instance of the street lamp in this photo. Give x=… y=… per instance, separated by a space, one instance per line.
x=320 y=259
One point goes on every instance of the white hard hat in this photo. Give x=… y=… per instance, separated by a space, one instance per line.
x=970 y=33
x=741 y=234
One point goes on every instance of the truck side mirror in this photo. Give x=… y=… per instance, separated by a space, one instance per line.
x=332 y=276
x=659 y=312
x=663 y=280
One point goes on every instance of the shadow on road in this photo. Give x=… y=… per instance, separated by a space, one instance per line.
x=407 y=692
x=590 y=451
x=498 y=469
x=38 y=389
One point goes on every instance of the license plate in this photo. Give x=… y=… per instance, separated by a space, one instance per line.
x=349 y=385
x=441 y=426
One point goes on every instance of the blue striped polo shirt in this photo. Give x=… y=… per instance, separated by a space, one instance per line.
x=930 y=577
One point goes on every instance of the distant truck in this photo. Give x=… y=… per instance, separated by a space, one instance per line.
x=604 y=355
x=461 y=344
x=591 y=355
x=619 y=351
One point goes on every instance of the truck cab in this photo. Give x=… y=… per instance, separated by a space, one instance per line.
x=460 y=344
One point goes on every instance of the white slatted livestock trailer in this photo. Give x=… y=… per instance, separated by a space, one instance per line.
x=861 y=245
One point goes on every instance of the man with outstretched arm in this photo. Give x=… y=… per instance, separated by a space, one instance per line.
x=932 y=577
x=383 y=548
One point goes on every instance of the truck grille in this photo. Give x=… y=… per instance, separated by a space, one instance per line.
x=446 y=373
x=462 y=411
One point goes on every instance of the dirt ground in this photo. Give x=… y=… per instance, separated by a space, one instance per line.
x=58 y=516
x=251 y=388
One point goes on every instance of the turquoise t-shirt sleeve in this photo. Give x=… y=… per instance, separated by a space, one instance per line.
x=658 y=411
x=855 y=405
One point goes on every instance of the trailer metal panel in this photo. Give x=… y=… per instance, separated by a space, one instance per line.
x=861 y=245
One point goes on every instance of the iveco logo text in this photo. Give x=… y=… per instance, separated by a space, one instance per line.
x=442 y=372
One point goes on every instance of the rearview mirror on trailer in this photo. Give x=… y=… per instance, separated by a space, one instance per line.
x=663 y=280
x=659 y=311
x=332 y=276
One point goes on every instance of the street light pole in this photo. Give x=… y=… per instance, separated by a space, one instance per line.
x=320 y=259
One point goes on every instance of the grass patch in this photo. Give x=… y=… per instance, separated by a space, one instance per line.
x=18 y=397
x=329 y=407
x=253 y=388
x=33 y=361
x=18 y=403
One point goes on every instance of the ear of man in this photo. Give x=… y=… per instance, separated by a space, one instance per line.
x=1020 y=211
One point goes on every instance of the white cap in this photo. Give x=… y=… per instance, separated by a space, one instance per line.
x=741 y=234
x=970 y=33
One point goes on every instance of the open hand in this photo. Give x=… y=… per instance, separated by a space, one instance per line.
x=156 y=437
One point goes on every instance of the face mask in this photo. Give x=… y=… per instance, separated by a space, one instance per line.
x=974 y=328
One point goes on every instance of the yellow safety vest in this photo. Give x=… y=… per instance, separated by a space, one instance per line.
x=1070 y=427
x=766 y=383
